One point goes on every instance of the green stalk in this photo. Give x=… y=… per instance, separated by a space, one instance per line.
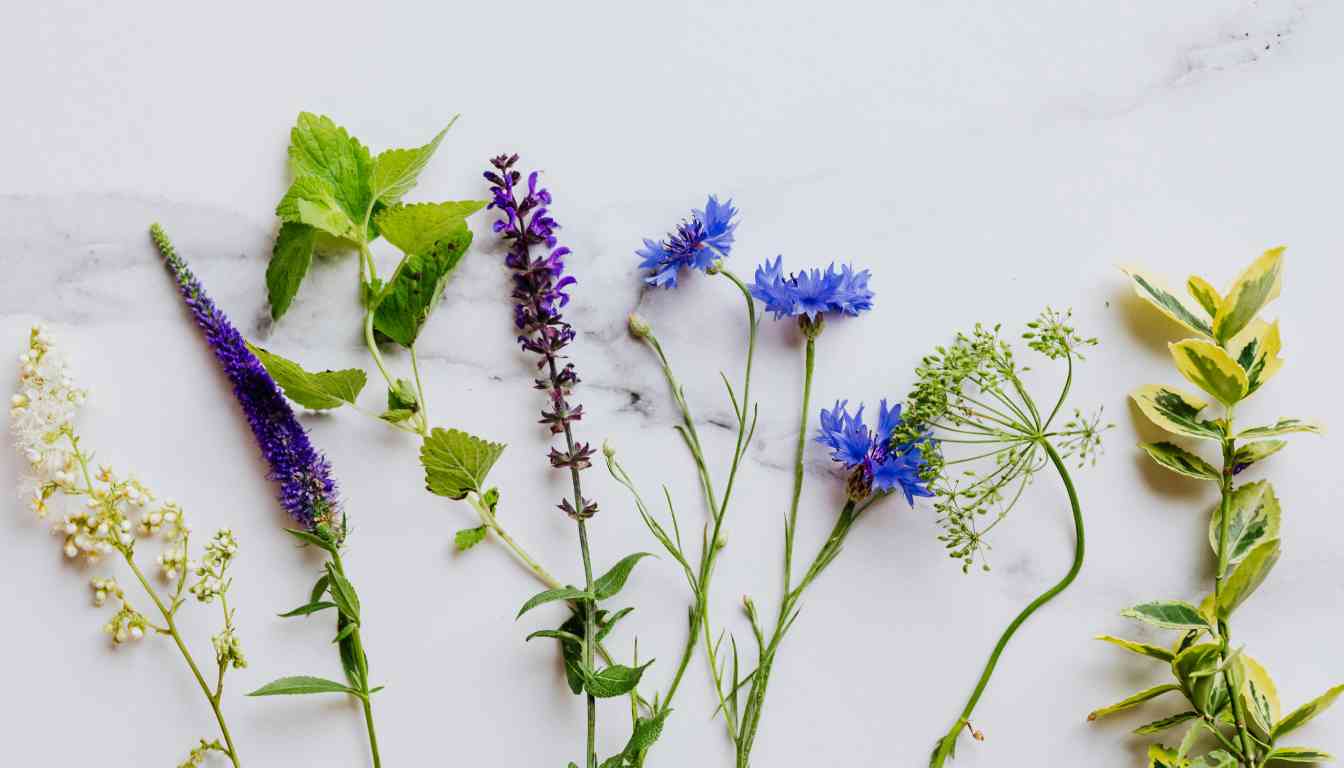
x=1224 y=632
x=361 y=660
x=946 y=746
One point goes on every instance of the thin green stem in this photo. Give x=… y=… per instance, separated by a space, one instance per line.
x=1224 y=632
x=423 y=414
x=809 y=364
x=948 y=743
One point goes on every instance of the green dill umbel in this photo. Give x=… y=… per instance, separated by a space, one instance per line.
x=985 y=438
x=1231 y=715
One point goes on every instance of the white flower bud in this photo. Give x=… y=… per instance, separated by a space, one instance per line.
x=70 y=550
x=137 y=633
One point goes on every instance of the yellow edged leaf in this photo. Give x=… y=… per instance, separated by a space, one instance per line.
x=1256 y=349
x=1258 y=285
x=1204 y=293
x=1209 y=367
x=1175 y=411
x=1151 y=289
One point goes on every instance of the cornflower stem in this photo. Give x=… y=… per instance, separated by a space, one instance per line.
x=170 y=625
x=361 y=660
x=947 y=744
x=1224 y=632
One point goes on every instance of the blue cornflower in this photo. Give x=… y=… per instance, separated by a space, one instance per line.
x=876 y=464
x=698 y=242
x=812 y=292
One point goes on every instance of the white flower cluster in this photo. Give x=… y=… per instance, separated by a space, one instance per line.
x=228 y=648
x=219 y=552
x=127 y=623
x=42 y=414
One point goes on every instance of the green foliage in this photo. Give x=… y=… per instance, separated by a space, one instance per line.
x=317 y=391
x=290 y=259
x=457 y=463
x=1168 y=614
x=415 y=288
x=469 y=537
x=299 y=685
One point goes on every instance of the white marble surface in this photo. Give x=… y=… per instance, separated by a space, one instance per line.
x=983 y=158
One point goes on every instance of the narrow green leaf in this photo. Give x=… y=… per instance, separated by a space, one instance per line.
x=344 y=632
x=1150 y=288
x=1168 y=614
x=317 y=391
x=1300 y=755
x=301 y=685
x=1157 y=726
x=312 y=539
x=556 y=634
x=1133 y=701
x=1143 y=649
x=343 y=593
x=457 y=463
x=552 y=595
x=1251 y=453
x=1280 y=427
x=1247 y=576
x=469 y=537
x=319 y=588
x=1180 y=461
x=395 y=171
x=611 y=582
x=416 y=227
x=615 y=680
x=1305 y=713
x=304 y=610
x=290 y=258
x=646 y=732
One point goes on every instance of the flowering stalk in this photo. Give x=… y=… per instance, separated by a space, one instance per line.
x=307 y=490
x=970 y=394
x=42 y=416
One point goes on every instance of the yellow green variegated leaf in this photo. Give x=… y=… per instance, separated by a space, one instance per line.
x=1259 y=695
x=1160 y=756
x=1132 y=701
x=1280 y=427
x=1209 y=367
x=1175 y=411
x=1179 y=460
x=1247 y=576
x=1167 y=614
x=1250 y=453
x=1204 y=293
x=1256 y=350
x=1196 y=662
x=1258 y=285
x=1143 y=649
x=1303 y=714
x=1207 y=610
x=1153 y=290
x=1254 y=518
x=1157 y=726
x=1300 y=755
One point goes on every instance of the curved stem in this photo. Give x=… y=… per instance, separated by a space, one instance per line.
x=948 y=743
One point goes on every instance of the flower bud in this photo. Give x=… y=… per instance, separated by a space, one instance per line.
x=639 y=327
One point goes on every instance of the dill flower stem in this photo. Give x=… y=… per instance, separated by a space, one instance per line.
x=948 y=743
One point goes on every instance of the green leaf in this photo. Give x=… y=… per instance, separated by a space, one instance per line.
x=1305 y=713
x=1247 y=576
x=469 y=537
x=1176 y=411
x=1209 y=367
x=1280 y=427
x=611 y=582
x=1251 y=453
x=1143 y=649
x=301 y=685
x=558 y=634
x=646 y=732
x=345 y=631
x=1204 y=293
x=395 y=171
x=312 y=539
x=1151 y=289
x=304 y=610
x=1255 y=518
x=417 y=285
x=290 y=259
x=572 y=652
x=343 y=593
x=1196 y=668
x=1168 y=614
x=1133 y=701
x=414 y=228
x=1160 y=756
x=396 y=415
x=1257 y=351
x=606 y=623
x=615 y=680
x=1157 y=726
x=1258 y=285
x=1259 y=695
x=1180 y=461
x=551 y=595
x=1300 y=755
x=320 y=148
x=319 y=588
x=317 y=391
x=402 y=397
x=457 y=463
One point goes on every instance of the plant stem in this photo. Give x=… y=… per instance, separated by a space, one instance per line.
x=362 y=662
x=947 y=744
x=1224 y=632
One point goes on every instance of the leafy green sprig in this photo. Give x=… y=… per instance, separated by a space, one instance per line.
x=1232 y=714
x=985 y=439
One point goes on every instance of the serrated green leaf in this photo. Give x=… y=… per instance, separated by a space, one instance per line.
x=1143 y=649
x=1133 y=701
x=312 y=539
x=401 y=396
x=290 y=259
x=1305 y=713
x=300 y=685
x=469 y=537
x=318 y=147
x=417 y=285
x=416 y=227
x=1255 y=516
x=1180 y=461
x=646 y=732
x=395 y=171
x=1157 y=726
x=1209 y=367
x=1280 y=427
x=615 y=680
x=311 y=201
x=1175 y=411
x=317 y=391
x=457 y=463
x=1258 y=285
x=611 y=582
x=552 y=595
x=1300 y=755
x=1151 y=289
x=304 y=610
x=1250 y=453
x=396 y=415
x=1168 y=614
x=1247 y=576
x=343 y=593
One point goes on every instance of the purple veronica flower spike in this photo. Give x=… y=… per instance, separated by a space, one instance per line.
x=307 y=491
x=698 y=242
x=811 y=293
x=875 y=463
